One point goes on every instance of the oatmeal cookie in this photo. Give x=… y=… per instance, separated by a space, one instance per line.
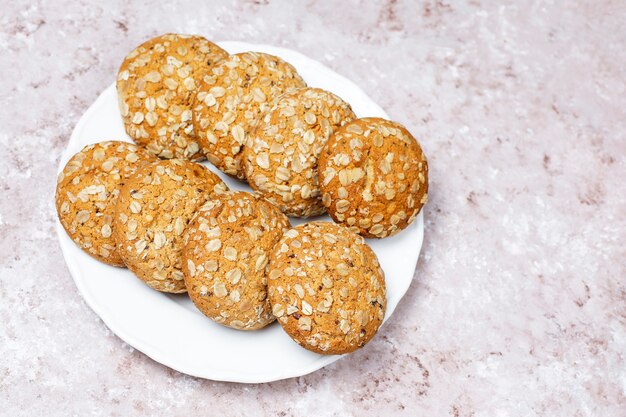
x=326 y=288
x=156 y=85
x=225 y=260
x=232 y=96
x=374 y=177
x=280 y=155
x=87 y=191
x=152 y=212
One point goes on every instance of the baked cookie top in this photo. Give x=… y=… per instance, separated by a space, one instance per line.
x=374 y=177
x=281 y=154
x=153 y=210
x=225 y=260
x=326 y=288
x=87 y=191
x=232 y=96
x=156 y=85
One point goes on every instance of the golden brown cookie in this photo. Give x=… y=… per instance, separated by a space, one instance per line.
x=281 y=154
x=87 y=191
x=326 y=288
x=234 y=93
x=225 y=260
x=156 y=85
x=374 y=177
x=152 y=212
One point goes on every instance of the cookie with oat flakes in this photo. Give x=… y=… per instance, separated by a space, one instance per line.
x=87 y=191
x=152 y=212
x=156 y=84
x=326 y=288
x=225 y=259
x=232 y=96
x=374 y=177
x=280 y=155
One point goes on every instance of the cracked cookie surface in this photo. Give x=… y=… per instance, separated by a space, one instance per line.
x=280 y=156
x=156 y=84
x=374 y=177
x=225 y=259
x=326 y=288
x=231 y=98
x=87 y=190
x=152 y=212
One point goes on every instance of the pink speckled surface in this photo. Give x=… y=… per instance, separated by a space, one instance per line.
x=518 y=306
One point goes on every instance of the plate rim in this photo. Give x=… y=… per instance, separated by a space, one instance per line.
x=149 y=349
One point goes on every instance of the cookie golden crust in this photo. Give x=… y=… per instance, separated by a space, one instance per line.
x=374 y=177
x=87 y=191
x=326 y=288
x=232 y=96
x=225 y=260
x=280 y=155
x=156 y=85
x=152 y=212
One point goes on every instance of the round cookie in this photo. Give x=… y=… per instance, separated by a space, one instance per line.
x=225 y=260
x=374 y=177
x=231 y=98
x=281 y=154
x=156 y=85
x=152 y=212
x=87 y=191
x=326 y=288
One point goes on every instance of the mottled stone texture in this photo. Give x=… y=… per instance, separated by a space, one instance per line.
x=518 y=306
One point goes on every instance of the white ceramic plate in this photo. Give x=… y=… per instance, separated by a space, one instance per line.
x=168 y=328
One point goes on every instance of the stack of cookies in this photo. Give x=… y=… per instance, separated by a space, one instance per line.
x=150 y=206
